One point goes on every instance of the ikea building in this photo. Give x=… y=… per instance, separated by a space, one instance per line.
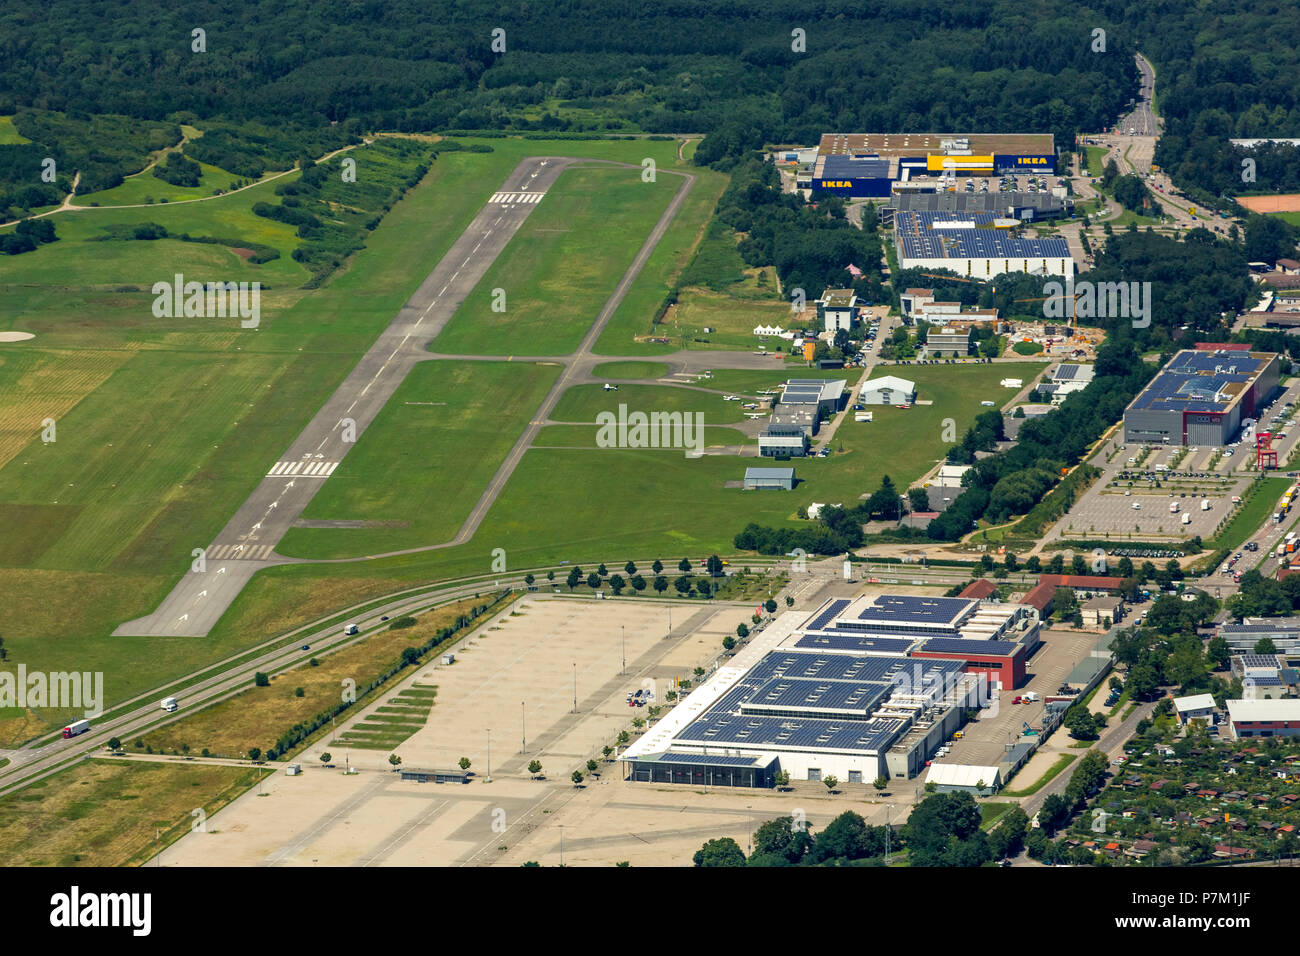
x=865 y=165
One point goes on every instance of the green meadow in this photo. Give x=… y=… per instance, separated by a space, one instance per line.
x=561 y=266
x=165 y=425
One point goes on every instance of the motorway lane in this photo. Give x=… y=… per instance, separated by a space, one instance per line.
x=247 y=542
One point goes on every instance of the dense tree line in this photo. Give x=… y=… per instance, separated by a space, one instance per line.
x=810 y=245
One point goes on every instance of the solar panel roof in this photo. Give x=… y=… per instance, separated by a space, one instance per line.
x=926 y=234
x=951 y=645
x=1201 y=381
x=1259 y=660
x=717 y=760
x=907 y=609
x=826 y=614
x=843 y=667
x=840 y=641
x=797 y=733
x=785 y=693
x=841 y=166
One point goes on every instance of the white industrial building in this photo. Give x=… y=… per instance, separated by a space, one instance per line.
x=1264 y=718
x=859 y=689
x=975 y=246
x=1194 y=707
x=887 y=390
x=964 y=778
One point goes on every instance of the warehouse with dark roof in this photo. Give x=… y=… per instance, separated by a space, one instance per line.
x=1201 y=398
x=868 y=164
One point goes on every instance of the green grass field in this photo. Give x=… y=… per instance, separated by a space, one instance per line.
x=9 y=136
x=561 y=266
x=643 y=503
x=424 y=462
x=1096 y=160
x=165 y=425
x=632 y=321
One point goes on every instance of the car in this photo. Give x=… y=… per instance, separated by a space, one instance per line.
x=384 y=617
x=1018 y=700
x=305 y=647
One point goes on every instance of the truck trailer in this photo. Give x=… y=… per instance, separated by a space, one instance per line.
x=75 y=729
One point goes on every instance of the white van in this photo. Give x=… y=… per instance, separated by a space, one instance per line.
x=169 y=704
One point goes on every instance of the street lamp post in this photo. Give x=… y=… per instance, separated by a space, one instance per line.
x=575 y=687
x=622 y=638
x=523 y=725
x=489 y=759
x=888 y=807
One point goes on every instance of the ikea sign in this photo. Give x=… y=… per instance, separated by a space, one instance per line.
x=836 y=184
x=1032 y=161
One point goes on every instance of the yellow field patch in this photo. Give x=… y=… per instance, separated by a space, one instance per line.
x=36 y=385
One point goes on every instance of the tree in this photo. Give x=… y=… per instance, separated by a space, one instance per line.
x=742 y=630
x=779 y=843
x=1265 y=645
x=1219 y=652
x=714 y=566
x=602 y=570
x=1124 y=568
x=575 y=575
x=261 y=680
x=396 y=761
x=831 y=781
x=534 y=767
x=629 y=569
x=254 y=754
x=617 y=584
x=918 y=499
x=683 y=584
x=463 y=763
x=770 y=606
x=782 y=779
x=723 y=851
x=789 y=601
x=848 y=837
x=704 y=586
x=591 y=766
x=944 y=830
x=1033 y=564
x=729 y=642
x=326 y=757
x=684 y=564
x=529 y=579
x=1009 y=837
x=1079 y=721
x=114 y=743
x=593 y=581
x=661 y=584
x=576 y=777
x=657 y=567
x=638 y=582
x=881 y=782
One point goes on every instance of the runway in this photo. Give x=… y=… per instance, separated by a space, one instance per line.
x=246 y=543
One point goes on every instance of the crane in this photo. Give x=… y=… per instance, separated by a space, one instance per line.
x=1074 y=303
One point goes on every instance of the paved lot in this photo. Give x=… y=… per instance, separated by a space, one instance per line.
x=513 y=677
x=985 y=741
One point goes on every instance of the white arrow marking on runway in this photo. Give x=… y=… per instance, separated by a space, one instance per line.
x=239 y=547
x=183 y=617
x=288 y=486
x=222 y=571
x=274 y=504
x=256 y=526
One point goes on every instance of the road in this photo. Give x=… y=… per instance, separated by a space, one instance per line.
x=1111 y=744
x=247 y=542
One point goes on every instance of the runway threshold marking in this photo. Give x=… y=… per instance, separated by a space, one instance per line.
x=302 y=469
